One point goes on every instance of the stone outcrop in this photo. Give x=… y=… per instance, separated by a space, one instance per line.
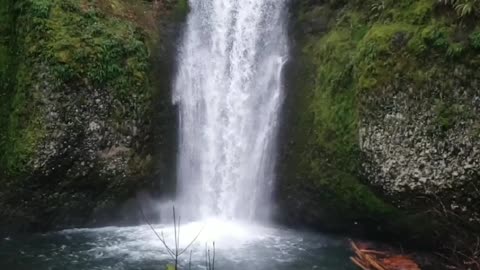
x=383 y=121
x=85 y=121
x=410 y=148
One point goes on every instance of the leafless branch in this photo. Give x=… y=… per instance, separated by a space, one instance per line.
x=177 y=252
x=161 y=238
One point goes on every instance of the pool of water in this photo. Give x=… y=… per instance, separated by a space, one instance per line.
x=237 y=246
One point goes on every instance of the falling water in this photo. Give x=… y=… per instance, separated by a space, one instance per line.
x=229 y=92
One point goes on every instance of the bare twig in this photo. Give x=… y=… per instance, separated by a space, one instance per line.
x=213 y=262
x=193 y=241
x=209 y=257
x=176 y=237
x=206 y=257
x=177 y=252
x=190 y=261
x=172 y=254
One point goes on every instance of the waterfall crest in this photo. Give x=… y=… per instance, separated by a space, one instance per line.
x=228 y=88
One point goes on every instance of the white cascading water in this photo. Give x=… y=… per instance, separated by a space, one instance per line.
x=229 y=92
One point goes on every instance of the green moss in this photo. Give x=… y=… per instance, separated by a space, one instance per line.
x=7 y=66
x=475 y=39
x=412 y=12
x=40 y=8
x=334 y=112
x=66 y=45
x=421 y=11
x=324 y=155
x=370 y=52
x=448 y=114
x=373 y=57
x=91 y=47
x=181 y=9
x=435 y=36
x=343 y=191
x=6 y=23
x=4 y=58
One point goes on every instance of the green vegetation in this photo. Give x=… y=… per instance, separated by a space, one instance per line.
x=75 y=44
x=77 y=106
x=7 y=21
x=181 y=9
x=475 y=39
x=464 y=7
x=365 y=53
x=324 y=155
x=447 y=114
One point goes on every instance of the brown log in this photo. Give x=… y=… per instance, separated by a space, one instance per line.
x=358 y=263
x=374 y=263
x=373 y=251
x=400 y=263
x=357 y=250
x=368 y=259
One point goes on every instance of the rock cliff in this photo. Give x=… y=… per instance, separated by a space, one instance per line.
x=84 y=112
x=384 y=119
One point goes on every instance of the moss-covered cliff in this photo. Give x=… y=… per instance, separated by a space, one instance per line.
x=77 y=110
x=7 y=63
x=384 y=123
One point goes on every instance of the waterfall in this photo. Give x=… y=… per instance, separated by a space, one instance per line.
x=228 y=89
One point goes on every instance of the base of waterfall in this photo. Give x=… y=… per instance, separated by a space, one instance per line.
x=238 y=245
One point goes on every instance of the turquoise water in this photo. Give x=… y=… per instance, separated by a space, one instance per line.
x=237 y=246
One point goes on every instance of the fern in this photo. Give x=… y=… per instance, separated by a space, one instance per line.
x=378 y=6
x=464 y=7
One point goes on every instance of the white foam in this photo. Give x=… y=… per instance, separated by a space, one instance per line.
x=233 y=238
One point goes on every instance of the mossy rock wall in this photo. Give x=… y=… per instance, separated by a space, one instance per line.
x=7 y=63
x=384 y=123
x=78 y=108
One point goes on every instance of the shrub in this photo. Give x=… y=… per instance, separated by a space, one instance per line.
x=475 y=40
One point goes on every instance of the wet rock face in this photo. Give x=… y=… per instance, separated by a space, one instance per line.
x=84 y=116
x=84 y=138
x=385 y=126
x=89 y=162
x=425 y=146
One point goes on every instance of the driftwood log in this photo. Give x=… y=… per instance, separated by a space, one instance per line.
x=368 y=259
